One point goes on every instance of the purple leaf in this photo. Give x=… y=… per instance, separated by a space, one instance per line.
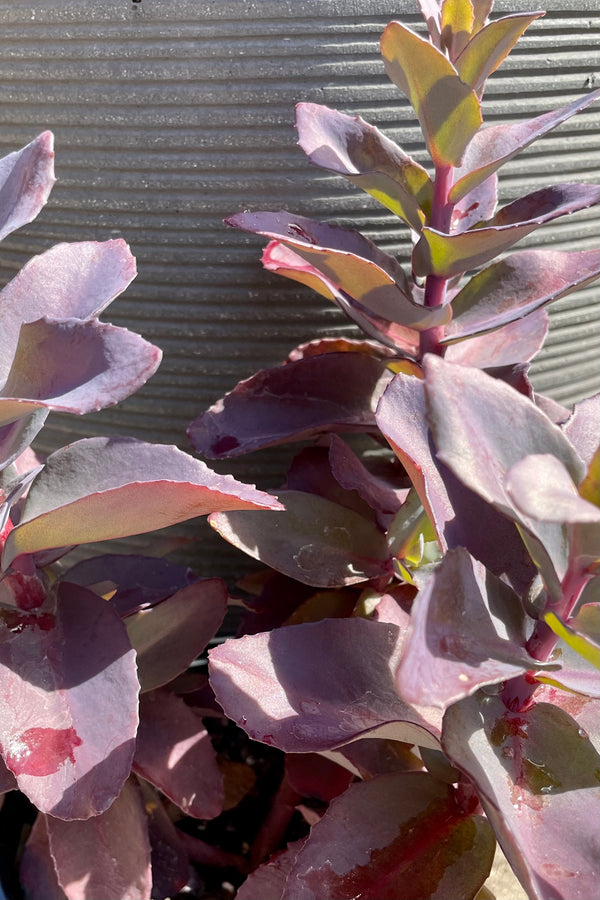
x=512 y=344
x=174 y=753
x=583 y=428
x=106 y=365
x=138 y=581
x=68 y=281
x=26 y=179
x=516 y=286
x=7 y=779
x=317 y=394
x=170 y=635
x=541 y=488
x=537 y=773
x=68 y=710
x=401 y=835
x=482 y=427
x=448 y=110
x=450 y=254
x=477 y=206
x=467 y=631
x=381 y=493
x=349 y=146
x=101 y=488
x=279 y=258
x=106 y=856
x=16 y=437
x=349 y=262
x=306 y=708
x=454 y=510
x=168 y=856
x=314 y=540
x=268 y=881
x=36 y=871
x=491 y=147
x=313 y=775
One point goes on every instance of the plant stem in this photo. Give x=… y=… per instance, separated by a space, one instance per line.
x=435 y=285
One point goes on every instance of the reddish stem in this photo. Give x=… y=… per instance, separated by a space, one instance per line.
x=435 y=285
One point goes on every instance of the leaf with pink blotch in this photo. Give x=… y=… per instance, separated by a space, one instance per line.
x=313 y=539
x=26 y=179
x=450 y=254
x=68 y=709
x=399 y=835
x=467 y=630
x=106 y=856
x=175 y=754
x=537 y=773
x=349 y=146
x=306 y=708
x=491 y=147
x=106 y=365
x=170 y=635
x=302 y=399
x=101 y=488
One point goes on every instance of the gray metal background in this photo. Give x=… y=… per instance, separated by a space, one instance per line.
x=171 y=114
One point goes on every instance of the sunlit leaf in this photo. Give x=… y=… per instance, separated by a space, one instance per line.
x=447 y=109
x=26 y=179
x=457 y=17
x=487 y=49
x=491 y=147
x=349 y=146
x=583 y=644
x=101 y=488
x=450 y=254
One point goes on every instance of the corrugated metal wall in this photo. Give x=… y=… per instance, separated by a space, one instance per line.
x=171 y=114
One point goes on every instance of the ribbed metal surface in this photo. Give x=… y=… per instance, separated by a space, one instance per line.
x=171 y=114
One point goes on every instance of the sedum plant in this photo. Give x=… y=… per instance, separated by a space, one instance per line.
x=92 y=729
x=428 y=617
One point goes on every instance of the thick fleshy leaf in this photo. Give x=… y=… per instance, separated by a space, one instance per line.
x=516 y=286
x=314 y=540
x=168 y=856
x=583 y=430
x=448 y=110
x=170 y=635
x=101 y=488
x=489 y=47
x=491 y=147
x=349 y=146
x=106 y=856
x=586 y=645
x=106 y=365
x=268 y=881
x=68 y=709
x=328 y=392
x=379 y=489
x=16 y=437
x=401 y=835
x=457 y=18
x=37 y=874
x=538 y=774
x=132 y=582
x=68 y=281
x=313 y=775
x=514 y=344
x=477 y=419
x=26 y=179
x=450 y=254
x=468 y=630
x=174 y=753
x=541 y=488
x=306 y=708
x=279 y=258
x=431 y=12
x=477 y=206
x=454 y=510
x=351 y=262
